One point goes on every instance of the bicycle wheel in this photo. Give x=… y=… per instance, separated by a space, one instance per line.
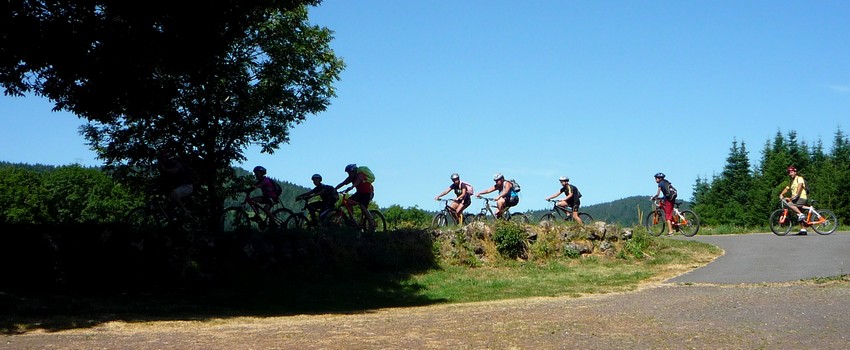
x=380 y=222
x=548 y=217
x=655 y=224
x=280 y=216
x=234 y=218
x=780 y=224
x=439 y=220
x=689 y=223
x=482 y=218
x=335 y=219
x=585 y=218
x=468 y=218
x=829 y=224
x=296 y=221
x=519 y=217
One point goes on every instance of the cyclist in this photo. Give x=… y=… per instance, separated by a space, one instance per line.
x=665 y=188
x=799 y=196
x=507 y=197
x=572 y=201
x=176 y=178
x=364 y=194
x=463 y=191
x=268 y=196
x=328 y=196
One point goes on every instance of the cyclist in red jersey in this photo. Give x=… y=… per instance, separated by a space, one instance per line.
x=364 y=194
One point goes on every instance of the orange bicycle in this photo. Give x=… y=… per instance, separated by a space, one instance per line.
x=684 y=221
x=339 y=217
x=823 y=221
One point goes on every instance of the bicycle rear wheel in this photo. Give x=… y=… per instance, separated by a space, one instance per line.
x=829 y=223
x=689 y=223
x=585 y=218
x=655 y=224
x=780 y=223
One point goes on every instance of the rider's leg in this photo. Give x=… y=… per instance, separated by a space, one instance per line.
x=575 y=215
x=461 y=207
x=456 y=211
x=500 y=207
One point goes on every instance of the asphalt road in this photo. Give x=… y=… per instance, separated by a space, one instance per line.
x=765 y=257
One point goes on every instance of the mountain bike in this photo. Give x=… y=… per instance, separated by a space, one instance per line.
x=339 y=217
x=684 y=221
x=823 y=221
x=305 y=221
x=487 y=213
x=442 y=218
x=559 y=213
x=250 y=215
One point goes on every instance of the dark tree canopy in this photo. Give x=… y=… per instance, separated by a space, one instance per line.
x=205 y=79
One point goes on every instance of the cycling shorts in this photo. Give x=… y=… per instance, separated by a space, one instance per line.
x=362 y=198
x=511 y=201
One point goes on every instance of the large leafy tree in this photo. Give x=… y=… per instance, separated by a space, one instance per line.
x=205 y=79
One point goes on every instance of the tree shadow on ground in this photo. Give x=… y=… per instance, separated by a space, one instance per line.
x=80 y=277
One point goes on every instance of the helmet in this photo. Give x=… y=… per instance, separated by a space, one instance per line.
x=455 y=176
x=498 y=176
x=564 y=178
x=792 y=168
x=259 y=169
x=660 y=175
x=316 y=176
x=350 y=167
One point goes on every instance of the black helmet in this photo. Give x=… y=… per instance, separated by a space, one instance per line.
x=259 y=169
x=455 y=176
x=316 y=176
x=350 y=167
x=660 y=175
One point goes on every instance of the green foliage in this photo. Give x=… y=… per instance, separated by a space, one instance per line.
x=22 y=196
x=412 y=217
x=510 y=238
x=636 y=247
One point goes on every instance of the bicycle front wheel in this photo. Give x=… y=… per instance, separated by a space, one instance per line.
x=548 y=217
x=585 y=218
x=280 y=217
x=689 y=223
x=439 y=220
x=826 y=224
x=655 y=224
x=234 y=218
x=296 y=221
x=380 y=221
x=519 y=217
x=780 y=223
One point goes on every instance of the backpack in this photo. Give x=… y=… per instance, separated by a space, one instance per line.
x=370 y=177
x=277 y=189
x=515 y=185
x=672 y=193
x=469 y=190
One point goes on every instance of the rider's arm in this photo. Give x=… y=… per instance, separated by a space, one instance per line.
x=444 y=193
x=783 y=192
x=491 y=189
x=343 y=183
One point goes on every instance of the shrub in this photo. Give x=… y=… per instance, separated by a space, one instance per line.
x=509 y=238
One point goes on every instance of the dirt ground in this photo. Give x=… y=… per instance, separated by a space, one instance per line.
x=660 y=316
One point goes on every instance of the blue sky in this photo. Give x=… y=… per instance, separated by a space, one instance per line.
x=605 y=92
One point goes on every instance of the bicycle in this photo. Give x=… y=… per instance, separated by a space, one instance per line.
x=304 y=221
x=684 y=221
x=441 y=219
x=487 y=214
x=339 y=217
x=823 y=221
x=559 y=213
x=250 y=214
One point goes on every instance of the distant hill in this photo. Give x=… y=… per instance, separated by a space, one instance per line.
x=625 y=212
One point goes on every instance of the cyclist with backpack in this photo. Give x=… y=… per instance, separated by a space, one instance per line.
x=508 y=196
x=463 y=191
x=572 y=200
x=666 y=188
x=365 y=191
x=270 y=190
x=328 y=196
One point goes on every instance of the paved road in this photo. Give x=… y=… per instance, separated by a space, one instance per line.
x=765 y=257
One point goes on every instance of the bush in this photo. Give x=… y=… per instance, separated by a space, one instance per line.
x=510 y=238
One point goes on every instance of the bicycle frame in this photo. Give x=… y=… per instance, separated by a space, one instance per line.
x=487 y=212
x=564 y=213
x=809 y=212
x=823 y=221
x=447 y=211
x=684 y=221
x=345 y=211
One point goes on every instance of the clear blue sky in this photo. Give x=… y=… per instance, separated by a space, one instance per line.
x=605 y=92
